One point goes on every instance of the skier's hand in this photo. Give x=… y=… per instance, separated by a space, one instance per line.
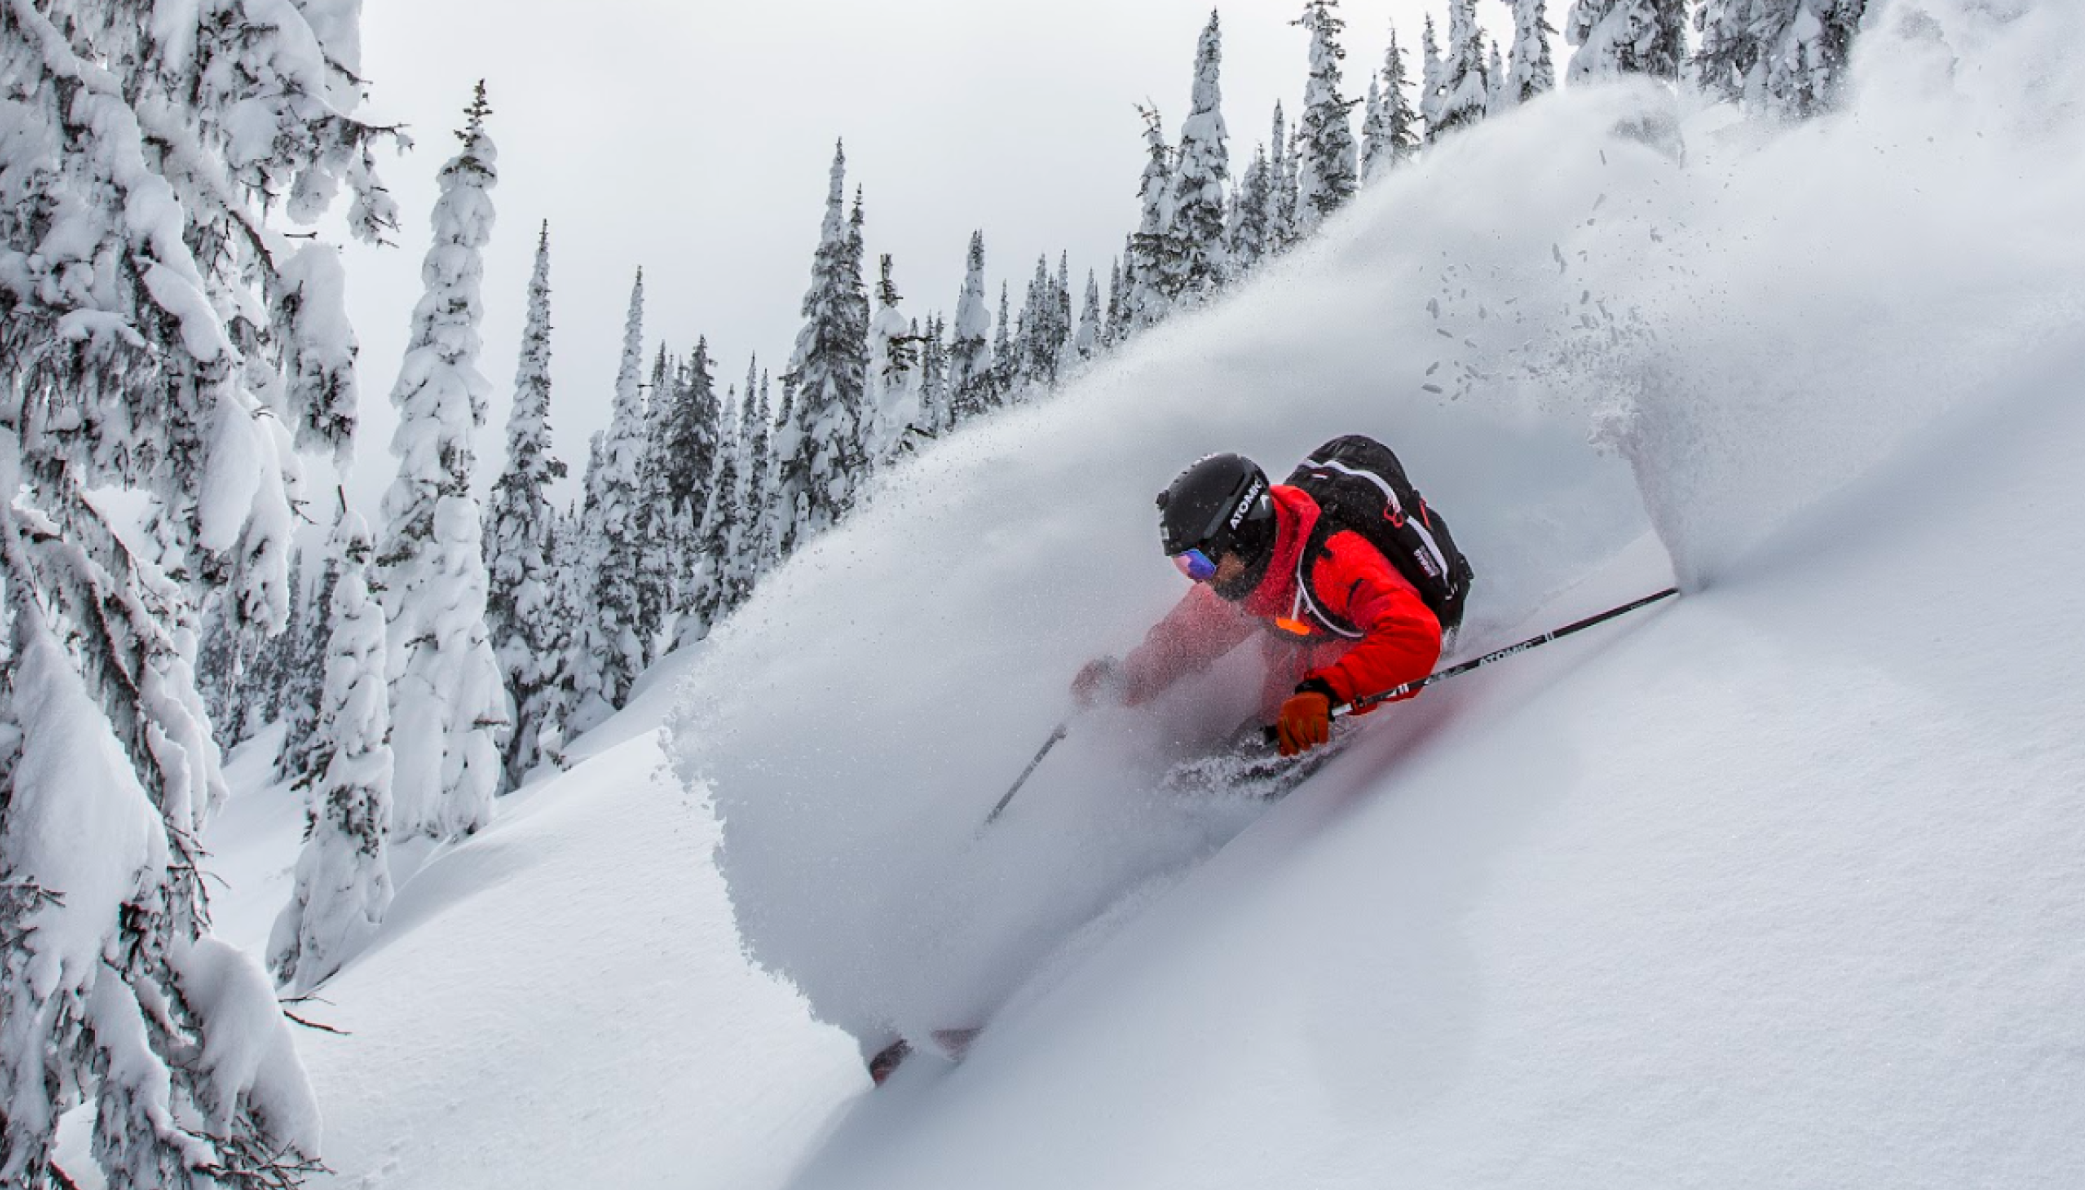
x=1305 y=722
x=1100 y=678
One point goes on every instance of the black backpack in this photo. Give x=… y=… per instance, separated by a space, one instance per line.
x=1359 y=485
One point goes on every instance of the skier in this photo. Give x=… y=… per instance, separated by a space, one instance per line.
x=1346 y=625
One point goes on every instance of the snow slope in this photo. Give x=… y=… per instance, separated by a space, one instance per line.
x=1779 y=883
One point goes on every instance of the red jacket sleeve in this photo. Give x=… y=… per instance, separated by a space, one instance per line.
x=1400 y=636
x=1199 y=629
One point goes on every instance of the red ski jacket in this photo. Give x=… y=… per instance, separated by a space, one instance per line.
x=1398 y=639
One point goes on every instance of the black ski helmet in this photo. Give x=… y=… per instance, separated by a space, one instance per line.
x=1219 y=504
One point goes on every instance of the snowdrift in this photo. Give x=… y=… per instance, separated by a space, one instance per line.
x=1600 y=316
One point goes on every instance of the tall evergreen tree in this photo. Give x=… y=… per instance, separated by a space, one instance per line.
x=1626 y=37
x=1430 y=87
x=527 y=620
x=1392 y=135
x=1006 y=358
x=895 y=382
x=969 y=351
x=1283 y=167
x=1783 y=57
x=610 y=632
x=1144 y=272
x=449 y=707
x=1035 y=339
x=1247 y=233
x=163 y=335
x=1086 y=340
x=1465 y=88
x=1116 y=328
x=1530 y=71
x=1325 y=134
x=343 y=881
x=936 y=413
x=824 y=449
x=688 y=449
x=1196 y=257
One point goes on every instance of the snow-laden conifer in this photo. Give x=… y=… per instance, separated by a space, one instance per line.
x=1783 y=57
x=1196 y=256
x=610 y=632
x=1626 y=37
x=523 y=613
x=1144 y=270
x=1247 y=232
x=1494 y=78
x=1283 y=168
x=895 y=382
x=969 y=349
x=163 y=335
x=304 y=667
x=1115 y=327
x=1392 y=133
x=1086 y=340
x=1465 y=86
x=824 y=449
x=687 y=438
x=1433 y=70
x=1324 y=134
x=449 y=704
x=343 y=882
x=1531 y=70
x=1006 y=356
x=936 y=413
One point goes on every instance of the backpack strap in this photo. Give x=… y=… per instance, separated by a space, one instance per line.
x=1306 y=600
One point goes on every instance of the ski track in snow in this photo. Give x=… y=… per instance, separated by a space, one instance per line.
x=1778 y=883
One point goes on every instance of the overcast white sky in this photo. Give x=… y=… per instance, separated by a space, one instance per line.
x=694 y=139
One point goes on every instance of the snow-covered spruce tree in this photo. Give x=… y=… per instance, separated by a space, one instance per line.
x=716 y=517
x=1530 y=71
x=1626 y=37
x=1064 y=326
x=159 y=334
x=1006 y=357
x=343 y=882
x=1144 y=273
x=1036 y=339
x=1786 y=58
x=1391 y=136
x=759 y=547
x=449 y=706
x=1086 y=339
x=1196 y=259
x=608 y=649
x=969 y=350
x=304 y=668
x=1245 y=232
x=1118 y=318
x=1282 y=170
x=526 y=619
x=934 y=396
x=1495 y=79
x=895 y=383
x=1324 y=134
x=824 y=449
x=1465 y=87
x=1432 y=71
x=687 y=440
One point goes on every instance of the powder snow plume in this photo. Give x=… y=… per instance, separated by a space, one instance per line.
x=1600 y=316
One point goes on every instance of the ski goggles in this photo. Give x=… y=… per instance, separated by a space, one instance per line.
x=1195 y=565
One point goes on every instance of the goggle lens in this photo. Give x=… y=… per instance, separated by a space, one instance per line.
x=1195 y=565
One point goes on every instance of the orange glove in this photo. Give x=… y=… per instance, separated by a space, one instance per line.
x=1304 y=723
x=1100 y=680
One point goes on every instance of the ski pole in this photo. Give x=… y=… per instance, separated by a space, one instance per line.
x=1361 y=704
x=1063 y=729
